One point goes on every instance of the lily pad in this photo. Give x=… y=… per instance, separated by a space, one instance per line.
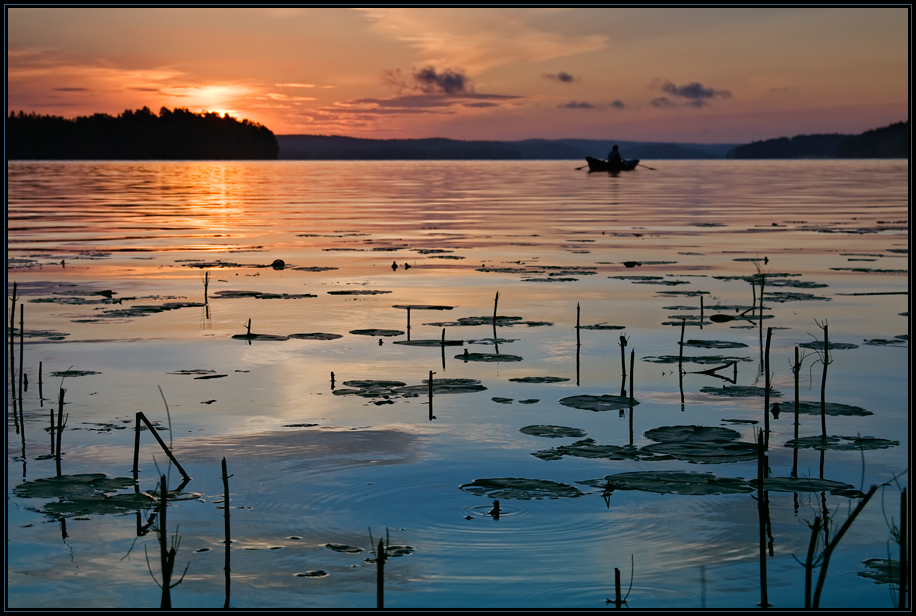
x=444 y=386
x=521 y=489
x=714 y=344
x=315 y=336
x=72 y=486
x=502 y=400
x=833 y=346
x=488 y=357
x=313 y=574
x=673 y=482
x=259 y=295
x=830 y=408
x=369 y=388
x=606 y=402
x=882 y=570
x=501 y=321
x=801 y=484
x=896 y=341
x=377 y=332
x=707 y=359
x=798 y=284
x=358 y=292
x=694 y=434
x=273 y=337
x=602 y=326
x=841 y=443
x=539 y=379
x=430 y=343
x=780 y=297
x=193 y=371
x=67 y=373
x=552 y=431
x=343 y=547
x=422 y=307
x=739 y=391
x=100 y=504
x=706 y=445
x=587 y=448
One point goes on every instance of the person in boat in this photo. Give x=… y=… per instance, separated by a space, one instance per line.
x=614 y=157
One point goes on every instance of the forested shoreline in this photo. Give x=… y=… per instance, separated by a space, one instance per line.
x=177 y=134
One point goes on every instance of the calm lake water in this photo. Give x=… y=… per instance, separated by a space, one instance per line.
x=141 y=277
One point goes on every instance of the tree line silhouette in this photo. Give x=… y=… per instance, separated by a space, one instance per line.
x=888 y=142
x=138 y=135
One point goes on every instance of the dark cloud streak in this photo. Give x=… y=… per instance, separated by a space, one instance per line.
x=693 y=94
x=562 y=76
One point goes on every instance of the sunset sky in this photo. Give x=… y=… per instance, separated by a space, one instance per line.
x=701 y=75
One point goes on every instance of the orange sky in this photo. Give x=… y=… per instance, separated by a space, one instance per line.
x=655 y=74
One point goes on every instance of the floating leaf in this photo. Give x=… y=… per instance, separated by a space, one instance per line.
x=703 y=359
x=377 y=332
x=841 y=443
x=882 y=570
x=552 y=431
x=714 y=344
x=67 y=373
x=315 y=336
x=430 y=343
x=488 y=357
x=739 y=391
x=539 y=379
x=602 y=326
x=358 y=292
x=587 y=448
x=343 y=547
x=819 y=346
x=272 y=337
x=673 y=482
x=522 y=489
x=897 y=341
x=605 y=402
x=694 y=434
x=801 y=484
x=830 y=408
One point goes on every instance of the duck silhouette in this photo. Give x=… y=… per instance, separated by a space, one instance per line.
x=394 y=266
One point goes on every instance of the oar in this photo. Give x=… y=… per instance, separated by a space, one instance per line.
x=647 y=167
x=582 y=167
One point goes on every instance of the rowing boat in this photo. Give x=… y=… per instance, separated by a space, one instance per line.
x=595 y=164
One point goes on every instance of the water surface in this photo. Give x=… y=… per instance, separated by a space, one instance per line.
x=310 y=467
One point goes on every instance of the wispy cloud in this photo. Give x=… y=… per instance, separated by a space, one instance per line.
x=458 y=36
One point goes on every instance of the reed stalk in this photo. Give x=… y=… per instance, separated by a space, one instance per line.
x=226 y=518
x=831 y=546
x=766 y=388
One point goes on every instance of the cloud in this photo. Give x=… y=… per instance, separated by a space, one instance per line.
x=459 y=37
x=587 y=105
x=295 y=85
x=691 y=95
x=430 y=80
x=577 y=105
x=561 y=76
x=70 y=89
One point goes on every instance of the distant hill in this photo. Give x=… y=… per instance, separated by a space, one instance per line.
x=889 y=142
x=138 y=135
x=321 y=147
